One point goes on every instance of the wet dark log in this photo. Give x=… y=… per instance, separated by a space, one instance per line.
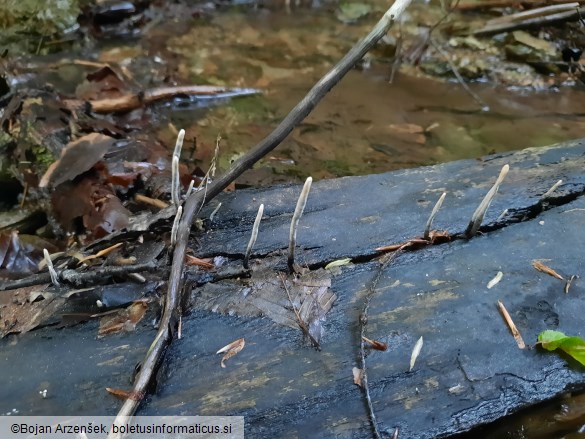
x=470 y=371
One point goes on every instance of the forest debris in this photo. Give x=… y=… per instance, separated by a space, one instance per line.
x=124 y=394
x=21 y=254
x=96 y=203
x=337 y=263
x=300 y=321
x=101 y=253
x=123 y=320
x=76 y=158
x=375 y=344
x=203 y=263
x=569 y=283
x=415 y=353
x=497 y=278
x=231 y=349
x=358 y=375
x=265 y=295
x=537 y=17
x=435 y=237
x=547 y=270
x=27 y=308
x=511 y=325
x=139 y=198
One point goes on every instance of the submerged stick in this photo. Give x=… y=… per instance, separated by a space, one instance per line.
x=197 y=199
x=433 y=214
x=254 y=235
x=294 y=224
x=479 y=213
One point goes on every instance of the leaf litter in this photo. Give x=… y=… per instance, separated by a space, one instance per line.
x=267 y=294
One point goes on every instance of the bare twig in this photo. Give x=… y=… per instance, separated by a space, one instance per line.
x=77 y=278
x=196 y=200
x=484 y=106
x=294 y=224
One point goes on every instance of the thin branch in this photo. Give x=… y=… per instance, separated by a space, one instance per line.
x=363 y=322
x=76 y=278
x=196 y=199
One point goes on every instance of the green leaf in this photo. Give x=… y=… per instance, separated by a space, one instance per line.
x=573 y=346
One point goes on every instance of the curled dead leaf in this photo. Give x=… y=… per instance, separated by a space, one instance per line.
x=231 y=349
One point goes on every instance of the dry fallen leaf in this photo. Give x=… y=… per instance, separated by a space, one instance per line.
x=123 y=319
x=76 y=158
x=375 y=344
x=231 y=349
x=358 y=375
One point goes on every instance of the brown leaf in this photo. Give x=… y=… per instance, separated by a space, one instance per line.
x=95 y=203
x=76 y=158
x=203 y=263
x=125 y=394
x=231 y=349
x=27 y=308
x=547 y=270
x=375 y=344
x=358 y=375
x=123 y=319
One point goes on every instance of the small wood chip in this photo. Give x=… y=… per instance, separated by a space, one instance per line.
x=511 y=325
x=547 y=270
